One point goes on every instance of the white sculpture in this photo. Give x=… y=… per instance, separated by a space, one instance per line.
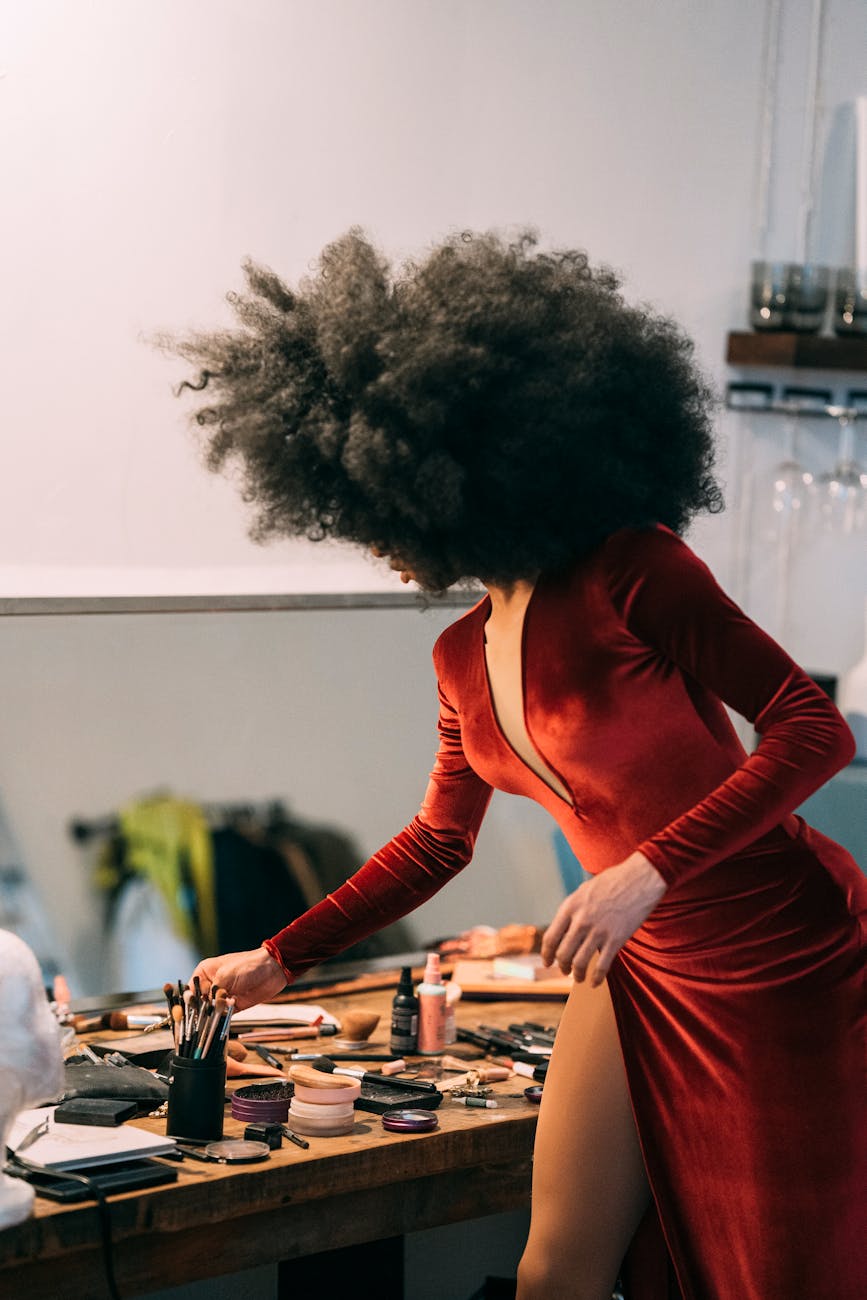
x=31 y=1060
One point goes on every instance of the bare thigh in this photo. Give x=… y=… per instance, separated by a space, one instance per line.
x=589 y=1185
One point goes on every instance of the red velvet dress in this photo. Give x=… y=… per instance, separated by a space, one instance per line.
x=740 y=1001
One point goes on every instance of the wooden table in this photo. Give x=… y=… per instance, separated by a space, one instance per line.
x=370 y=1187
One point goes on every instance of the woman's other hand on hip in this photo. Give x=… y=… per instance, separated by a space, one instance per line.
x=600 y=916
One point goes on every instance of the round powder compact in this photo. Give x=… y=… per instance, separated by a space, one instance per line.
x=326 y=1096
x=321 y=1110
x=534 y=1094
x=309 y=1126
x=262 y=1103
x=237 y=1151
x=409 y=1121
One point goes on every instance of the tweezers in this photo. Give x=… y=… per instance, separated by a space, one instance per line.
x=29 y=1138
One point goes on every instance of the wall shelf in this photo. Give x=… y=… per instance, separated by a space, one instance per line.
x=816 y=351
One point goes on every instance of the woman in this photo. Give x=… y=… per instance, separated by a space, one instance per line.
x=502 y=414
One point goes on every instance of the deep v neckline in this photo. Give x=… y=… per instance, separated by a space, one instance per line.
x=487 y=609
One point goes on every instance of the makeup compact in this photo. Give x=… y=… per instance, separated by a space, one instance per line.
x=229 y=1151
x=401 y=1120
x=534 y=1093
x=262 y=1103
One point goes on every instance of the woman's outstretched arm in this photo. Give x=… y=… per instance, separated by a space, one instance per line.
x=403 y=874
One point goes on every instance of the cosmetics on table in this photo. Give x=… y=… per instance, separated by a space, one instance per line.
x=197 y=1073
x=262 y=1103
x=453 y=996
x=404 y=1016
x=409 y=1121
x=432 y=1009
x=323 y=1105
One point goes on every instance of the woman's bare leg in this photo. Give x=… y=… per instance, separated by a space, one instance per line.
x=589 y=1185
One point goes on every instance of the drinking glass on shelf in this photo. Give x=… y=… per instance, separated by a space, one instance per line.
x=808 y=297
x=792 y=485
x=769 y=295
x=788 y=296
x=850 y=303
x=842 y=491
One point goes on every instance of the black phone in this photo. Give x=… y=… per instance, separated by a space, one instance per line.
x=124 y=1176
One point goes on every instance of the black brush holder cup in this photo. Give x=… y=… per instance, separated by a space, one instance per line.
x=197 y=1097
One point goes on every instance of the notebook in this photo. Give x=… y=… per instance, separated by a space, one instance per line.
x=283 y=1013
x=77 y=1146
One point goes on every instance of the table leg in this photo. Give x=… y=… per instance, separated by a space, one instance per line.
x=370 y=1268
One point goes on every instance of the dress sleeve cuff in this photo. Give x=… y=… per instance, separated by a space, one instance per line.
x=273 y=951
x=657 y=859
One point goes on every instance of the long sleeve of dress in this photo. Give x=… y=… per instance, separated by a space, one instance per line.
x=406 y=872
x=668 y=598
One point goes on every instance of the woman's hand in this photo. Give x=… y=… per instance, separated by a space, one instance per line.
x=248 y=977
x=600 y=916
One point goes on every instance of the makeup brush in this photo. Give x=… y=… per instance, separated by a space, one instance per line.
x=86 y=1024
x=413 y=1085
x=169 y=991
x=356 y=1028
x=188 y=1015
x=333 y=1056
x=282 y=1032
x=177 y=1026
x=124 y=1020
x=212 y=1029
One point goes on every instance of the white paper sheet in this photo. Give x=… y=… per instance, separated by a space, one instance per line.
x=281 y=1013
x=77 y=1146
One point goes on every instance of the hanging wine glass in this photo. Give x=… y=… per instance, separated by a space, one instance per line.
x=791 y=487
x=792 y=482
x=842 y=490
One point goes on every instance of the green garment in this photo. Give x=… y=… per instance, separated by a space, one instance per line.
x=167 y=841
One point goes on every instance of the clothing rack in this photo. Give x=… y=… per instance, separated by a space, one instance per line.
x=268 y=814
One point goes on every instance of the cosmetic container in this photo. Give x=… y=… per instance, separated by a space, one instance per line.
x=197 y=1097
x=404 y=1017
x=432 y=1009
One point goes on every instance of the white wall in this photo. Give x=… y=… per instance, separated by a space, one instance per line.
x=148 y=146
x=145 y=148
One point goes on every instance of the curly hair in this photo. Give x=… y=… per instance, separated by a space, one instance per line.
x=489 y=412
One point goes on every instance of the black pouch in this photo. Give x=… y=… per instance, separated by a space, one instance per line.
x=121 y=1082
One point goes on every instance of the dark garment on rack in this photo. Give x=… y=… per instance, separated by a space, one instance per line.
x=252 y=886
x=258 y=881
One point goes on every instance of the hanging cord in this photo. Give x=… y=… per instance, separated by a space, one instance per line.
x=14 y=1161
x=808 y=146
x=767 y=119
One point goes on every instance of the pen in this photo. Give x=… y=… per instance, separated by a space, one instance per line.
x=293 y=1137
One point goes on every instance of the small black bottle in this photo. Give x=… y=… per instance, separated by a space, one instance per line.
x=404 y=1016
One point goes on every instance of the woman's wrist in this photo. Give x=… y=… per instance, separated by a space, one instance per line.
x=273 y=952
x=650 y=881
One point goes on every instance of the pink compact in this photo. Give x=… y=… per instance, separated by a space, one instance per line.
x=327 y=1096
